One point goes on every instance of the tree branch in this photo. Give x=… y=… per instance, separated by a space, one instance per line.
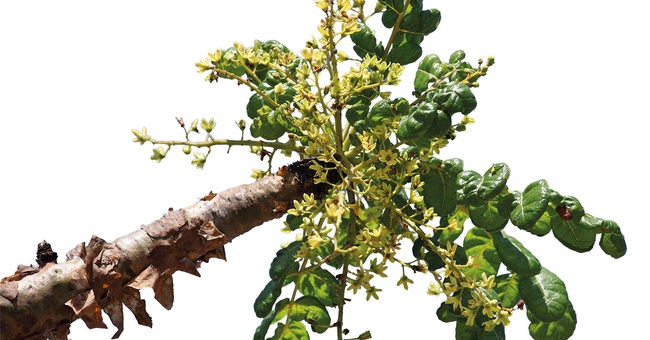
x=103 y=276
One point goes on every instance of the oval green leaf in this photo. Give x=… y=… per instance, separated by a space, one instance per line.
x=530 y=205
x=439 y=187
x=576 y=235
x=294 y=330
x=479 y=245
x=284 y=261
x=545 y=295
x=486 y=216
x=468 y=183
x=613 y=244
x=320 y=284
x=493 y=182
x=306 y=308
x=515 y=256
x=561 y=329
x=265 y=301
x=543 y=224
x=507 y=289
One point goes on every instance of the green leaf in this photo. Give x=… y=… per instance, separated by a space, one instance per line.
x=457 y=56
x=543 y=225
x=439 y=188
x=420 y=23
x=507 y=288
x=294 y=330
x=306 y=308
x=263 y=328
x=230 y=62
x=320 y=284
x=468 y=184
x=459 y=216
x=414 y=26
x=327 y=249
x=446 y=313
x=577 y=235
x=515 y=256
x=613 y=244
x=455 y=98
x=486 y=216
x=476 y=332
x=386 y=110
x=424 y=122
x=364 y=41
x=530 y=205
x=572 y=206
x=545 y=295
x=284 y=262
x=561 y=329
x=479 y=245
x=268 y=126
x=293 y=222
x=357 y=112
x=405 y=52
x=269 y=120
x=265 y=301
x=393 y=8
x=493 y=182
x=424 y=75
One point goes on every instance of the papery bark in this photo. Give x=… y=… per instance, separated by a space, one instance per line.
x=104 y=276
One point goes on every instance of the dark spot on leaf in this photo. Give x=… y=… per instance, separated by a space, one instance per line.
x=564 y=212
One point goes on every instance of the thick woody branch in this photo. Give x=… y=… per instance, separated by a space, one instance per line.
x=104 y=276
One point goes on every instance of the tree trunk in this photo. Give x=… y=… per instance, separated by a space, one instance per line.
x=40 y=303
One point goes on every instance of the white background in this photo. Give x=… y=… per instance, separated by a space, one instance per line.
x=565 y=101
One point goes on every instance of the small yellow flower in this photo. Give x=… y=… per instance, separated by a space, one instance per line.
x=470 y=314
x=372 y=292
x=454 y=301
x=434 y=289
x=315 y=241
x=388 y=157
x=215 y=57
x=322 y=4
x=404 y=281
x=367 y=141
x=203 y=65
x=378 y=268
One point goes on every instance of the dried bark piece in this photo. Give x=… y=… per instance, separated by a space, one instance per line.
x=87 y=309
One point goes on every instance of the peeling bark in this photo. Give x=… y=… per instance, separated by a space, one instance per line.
x=105 y=276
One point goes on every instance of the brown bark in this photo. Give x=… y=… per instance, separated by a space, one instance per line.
x=104 y=276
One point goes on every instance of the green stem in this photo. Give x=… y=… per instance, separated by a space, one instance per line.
x=232 y=142
x=352 y=235
x=334 y=75
x=396 y=29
